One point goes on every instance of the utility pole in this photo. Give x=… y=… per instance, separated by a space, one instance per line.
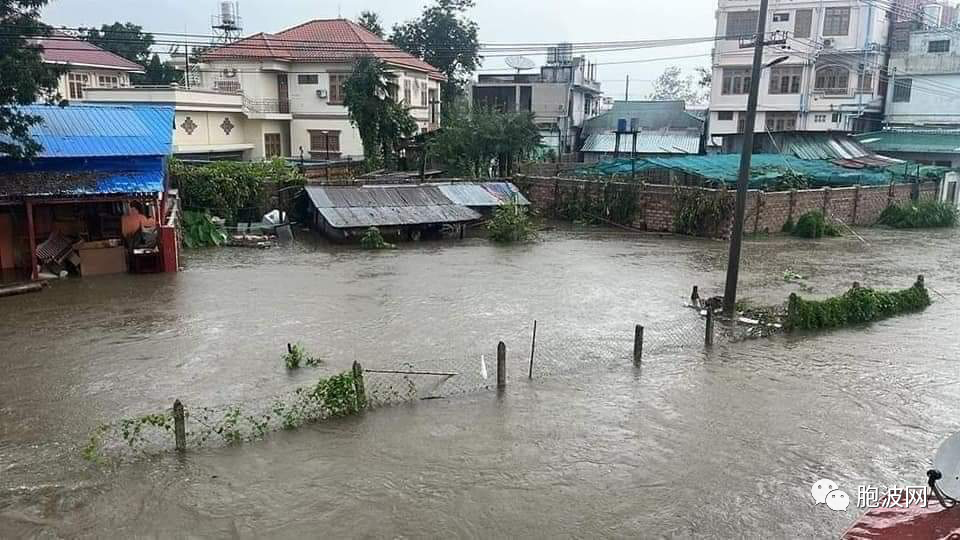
x=746 y=155
x=626 y=92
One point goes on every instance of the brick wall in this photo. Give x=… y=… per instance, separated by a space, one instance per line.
x=765 y=211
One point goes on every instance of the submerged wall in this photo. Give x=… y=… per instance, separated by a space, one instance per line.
x=765 y=211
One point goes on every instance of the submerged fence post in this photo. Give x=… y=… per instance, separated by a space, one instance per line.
x=637 y=344
x=533 y=347
x=358 y=386
x=708 y=335
x=179 y=427
x=501 y=365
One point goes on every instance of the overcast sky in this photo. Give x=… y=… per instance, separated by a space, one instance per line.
x=501 y=21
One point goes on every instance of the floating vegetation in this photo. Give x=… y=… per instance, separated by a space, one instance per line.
x=857 y=305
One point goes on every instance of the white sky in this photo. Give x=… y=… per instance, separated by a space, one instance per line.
x=500 y=21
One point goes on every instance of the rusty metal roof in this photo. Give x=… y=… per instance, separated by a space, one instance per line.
x=483 y=195
x=385 y=206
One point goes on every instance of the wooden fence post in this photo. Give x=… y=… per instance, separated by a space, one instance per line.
x=708 y=334
x=179 y=426
x=856 y=204
x=533 y=347
x=637 y=345
x=501 y=365
x=358 y=386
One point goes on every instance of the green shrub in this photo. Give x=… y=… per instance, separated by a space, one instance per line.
x=699 y=213
x=225 y=188
x=919 y=215
x=814 y=225
x=297 y=355
x=372 y=239
x=511 y=223
x=788 y=226
x=858 y=305
x=199 y=230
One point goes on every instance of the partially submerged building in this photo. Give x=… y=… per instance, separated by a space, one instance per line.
x=407 y=212
x=93 y=199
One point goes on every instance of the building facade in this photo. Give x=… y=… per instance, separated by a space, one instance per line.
x=829 y=71
x=86 y=65
x=562 y=96
x=281 y=95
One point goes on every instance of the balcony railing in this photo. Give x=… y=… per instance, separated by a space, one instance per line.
x=266 y=105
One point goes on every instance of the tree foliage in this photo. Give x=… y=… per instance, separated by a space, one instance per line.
x=482 y=142
x=443 y=37
x=381 y=121
x=672 y=85
x=25 y=77
x=159 y=72
x=124 y=39
x=371 y=21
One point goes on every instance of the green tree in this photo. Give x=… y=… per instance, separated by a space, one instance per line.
x=443 y=37
x=672 y=85
x=483 y=142
x=25 y=77
x=125 y=39
x=381 y=121
x=159 y=72
x=371 y=21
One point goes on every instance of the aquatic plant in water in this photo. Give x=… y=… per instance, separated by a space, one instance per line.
x=857 y=305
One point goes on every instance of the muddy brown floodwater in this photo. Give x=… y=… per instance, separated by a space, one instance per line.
x=716 y=444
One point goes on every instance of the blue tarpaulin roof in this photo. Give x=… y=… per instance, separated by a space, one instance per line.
x=101 y=131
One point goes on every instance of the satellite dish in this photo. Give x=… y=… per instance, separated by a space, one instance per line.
x=945 y=476
x=519 y=63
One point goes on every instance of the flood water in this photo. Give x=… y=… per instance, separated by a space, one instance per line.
x=713 y=444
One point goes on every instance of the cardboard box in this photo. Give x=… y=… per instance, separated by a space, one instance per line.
x=99 y=261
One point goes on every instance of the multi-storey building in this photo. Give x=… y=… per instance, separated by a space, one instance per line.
x=281 y=94
x=561 y=96
x=85 y=65
x=828 y=76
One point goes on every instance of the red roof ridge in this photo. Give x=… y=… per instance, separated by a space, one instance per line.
x=308 y=23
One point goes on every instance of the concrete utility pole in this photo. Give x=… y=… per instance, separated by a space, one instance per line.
x=746 y=155
x=626 y=92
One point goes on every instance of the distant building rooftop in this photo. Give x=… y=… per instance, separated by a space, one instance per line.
x=61 y=48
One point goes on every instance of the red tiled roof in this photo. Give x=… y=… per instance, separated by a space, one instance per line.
x=329 y=40
x=60 y=48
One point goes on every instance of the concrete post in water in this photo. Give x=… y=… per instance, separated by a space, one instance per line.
x=919 y=284
x=695 y=297
x=358 y=386
x=501 y=365
x=637 y=344
x=179 y=427
x=708 y=337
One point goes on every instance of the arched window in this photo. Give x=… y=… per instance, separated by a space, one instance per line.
x=832 y=80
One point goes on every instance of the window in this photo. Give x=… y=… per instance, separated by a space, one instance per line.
x=781 y=121
x=785 y=80
x=741 y=23
x=227 y=85
x=108 y=81
x=735 y=81
x=819 y=118
x=836 y=21
x=939 y=46
x=902 y=89
x=434 y=108
x=337 y=81
x=781 y=17
x=272 y=145
x=725 y=116
x=741 y=121
x=832 y=80
x=865 y=81
x=423 y=93
x=308 y=79
x=407 y=92
x=324 y=144
x=836 y=118
x=803 y=23
x=77 y=82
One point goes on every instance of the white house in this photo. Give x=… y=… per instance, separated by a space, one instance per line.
x=281 y=94
x=86 y=65
x=828 y=78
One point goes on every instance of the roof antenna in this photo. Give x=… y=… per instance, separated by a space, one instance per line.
x=339 y=15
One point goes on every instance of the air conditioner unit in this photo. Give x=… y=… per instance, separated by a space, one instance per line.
x=828 y=43
x=229 y=73
x=322 y=93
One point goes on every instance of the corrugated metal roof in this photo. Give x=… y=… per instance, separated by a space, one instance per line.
x=819 y=145
x=483 y=195
x=934 y=141
x=370 y=196
x=656 y=142
x=389 y=216
x=101 y=131
x=90 y=177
